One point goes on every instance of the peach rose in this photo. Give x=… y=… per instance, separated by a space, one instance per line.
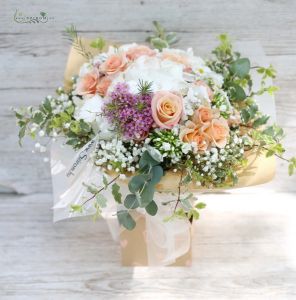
x=167 y=108
x=87 y=84
x=204 y=114
x=175 y=57
x=217 y=131
x=103 y=85
x=114 y=64
x=190 y=134
x=209 y=91
x=137 y=51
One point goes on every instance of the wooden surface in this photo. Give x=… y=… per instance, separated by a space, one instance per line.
x=244 y=246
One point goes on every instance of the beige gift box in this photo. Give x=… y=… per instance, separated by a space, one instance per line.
x=259 y=170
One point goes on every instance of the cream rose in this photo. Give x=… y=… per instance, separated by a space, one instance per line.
x=176 y=57
x=87 y=84
x=204 y=114
x=167 y=108
x=137 y=51
x=191 y=134
x=217 y=131
x=114 y=63
x=103 y=85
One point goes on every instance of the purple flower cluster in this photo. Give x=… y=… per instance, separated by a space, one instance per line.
x=130 y=112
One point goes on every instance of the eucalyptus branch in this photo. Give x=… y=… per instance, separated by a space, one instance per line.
x=100 y=190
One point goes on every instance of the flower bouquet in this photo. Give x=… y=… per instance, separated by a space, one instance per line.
x=137 y=130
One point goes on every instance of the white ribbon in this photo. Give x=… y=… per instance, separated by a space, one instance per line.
x=166 y=241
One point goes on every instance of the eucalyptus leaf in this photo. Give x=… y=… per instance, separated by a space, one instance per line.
x=126 y=220
x=146 y=160
x=101 y=200
x=137 y=183
x=116 y=192
x=131 y=201
x=147 y=195
x=151 y=208
x=157 y=174
x=237 y=93
x=240 y=67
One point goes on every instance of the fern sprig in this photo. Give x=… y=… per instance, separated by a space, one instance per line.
x=72 y=36
x=144 y=87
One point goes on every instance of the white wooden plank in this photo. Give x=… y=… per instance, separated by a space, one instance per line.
x=243 y=248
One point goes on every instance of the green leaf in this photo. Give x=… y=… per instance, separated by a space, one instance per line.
x=186 y=203
x=200 y=205
x=21 y=134
x=38 y=117
x=47 y=106
x=155 y=154
x=157 y=174
x=151 y=208
x=158 y=28
x=193 y=214
x=101 y=200
x=137 y=183
x=146 y=160
x=147 y=194
x=126 y=220
x=159 y=43
x=98 y=43
x=240 y=67
x=260 y=121
x=91 y=188
x=291 y=169
x=131 y=201
x=171 y=38
x=105 y=181
x=116 y=193
x=76 y=208
x=187 y=179
x=237 y=93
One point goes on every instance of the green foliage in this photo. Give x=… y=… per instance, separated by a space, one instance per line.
x=144 y=87
x=151 y=208
x=240 y=67
x=238 y=81
x=99 y=43
x=132 y=201
x=53 y=122
x=126 y=220
x=72 y=35
x=191 y=213
x=116 y=193
x=260 y=121
x=161 y=39
x=142 y=188
x=76 y=208
x=101 y=200
x=292 y=165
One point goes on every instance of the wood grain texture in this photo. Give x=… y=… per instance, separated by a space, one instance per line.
x=244 y=245
x=243 y=248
